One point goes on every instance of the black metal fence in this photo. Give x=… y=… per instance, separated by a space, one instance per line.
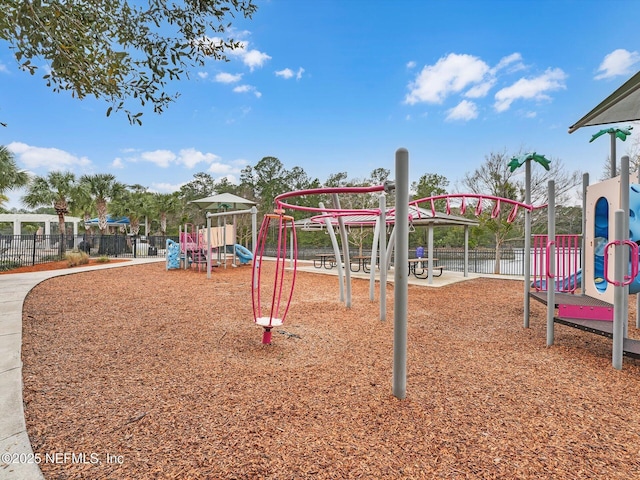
x=25 y=250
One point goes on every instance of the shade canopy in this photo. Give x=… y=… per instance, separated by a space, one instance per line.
x=419 y=216
x=111 y=221
x=223 y=201
x=623 y=105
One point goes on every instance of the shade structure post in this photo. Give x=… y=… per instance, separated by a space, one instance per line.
x=401 y=283
x=271 y=299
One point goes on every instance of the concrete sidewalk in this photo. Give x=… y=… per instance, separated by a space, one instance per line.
x=17 y=461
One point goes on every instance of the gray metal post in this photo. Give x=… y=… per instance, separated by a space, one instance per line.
x=624 y=205
x=401 y=280
x=527 y=243
x=254 y=230
x=618 y=291
x=383 y=257
x=613 y=154
x=466 y=250
x=390 y=246
x=551 y=261
x=345 y=252
x=430 y=253
x=374 y=258
x=336 y=253
x=583 y=243
x=209 y=250
x=638 y=296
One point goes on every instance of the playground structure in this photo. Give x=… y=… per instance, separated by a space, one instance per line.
x=198 y=245
x=609 y=265
x=610 y=262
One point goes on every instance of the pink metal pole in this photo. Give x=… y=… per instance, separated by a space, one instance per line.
x=279 y=295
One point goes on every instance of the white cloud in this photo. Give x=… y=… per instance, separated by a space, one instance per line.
x=512 y=63
x=480 y=90
x=287 y=73
x=411 y=65
x=250 y=57
x=228 y=78
x=220 y=168
x=450 y=74
x=117 y=163
x=247 y=89
x=161 y=158
x=190 y=157
x=50 y=159
x=161 y=187
x=254 y=59
x=203 y=75
x=530 y=88
x=465 y=110
x=3 y=68
x=618 y=62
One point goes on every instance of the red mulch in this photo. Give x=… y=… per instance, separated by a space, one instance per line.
x=166 y=370
x=42 y=267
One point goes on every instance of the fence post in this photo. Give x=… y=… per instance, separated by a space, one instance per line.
x=33 y=254
x=135 y=241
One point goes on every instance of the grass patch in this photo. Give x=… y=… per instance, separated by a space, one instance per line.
x=103 y=259
x=76 y=258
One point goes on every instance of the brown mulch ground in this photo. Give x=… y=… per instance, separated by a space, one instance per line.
x=165 y=372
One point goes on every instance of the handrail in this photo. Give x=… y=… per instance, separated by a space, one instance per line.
x=547 y=265
x=628 y=279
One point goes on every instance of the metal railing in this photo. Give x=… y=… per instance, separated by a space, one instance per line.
x=33 y=249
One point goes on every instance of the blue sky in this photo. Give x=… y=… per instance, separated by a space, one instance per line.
x=336 y=86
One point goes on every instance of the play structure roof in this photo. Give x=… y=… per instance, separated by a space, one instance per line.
x=623 y=105
x=420 y=216
x=226 y=201
x=111 y=221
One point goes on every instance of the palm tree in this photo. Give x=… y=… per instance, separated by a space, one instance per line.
x=56 y=190
x=102 y=187
x=165 y=203
x=133 y=205
x=10 y=176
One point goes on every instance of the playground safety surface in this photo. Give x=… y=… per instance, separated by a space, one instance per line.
x=165 y=371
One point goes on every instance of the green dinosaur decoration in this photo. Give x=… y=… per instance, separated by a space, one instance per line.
x=517 y=162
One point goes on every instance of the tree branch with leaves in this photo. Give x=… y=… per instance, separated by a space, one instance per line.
x=119 y=50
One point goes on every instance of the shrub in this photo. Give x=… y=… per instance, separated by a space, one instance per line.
x=6 y=265
x=76 y=258
x=103 y=259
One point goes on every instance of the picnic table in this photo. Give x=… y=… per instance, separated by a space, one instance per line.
x=361 y=261
x=326 y=260
x=419 y=267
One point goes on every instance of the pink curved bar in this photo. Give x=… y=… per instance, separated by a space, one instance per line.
x=478 y=211
x=276 y=313
x=547 y=263
x=495 y=213
x=628 y=279
x=319 y=191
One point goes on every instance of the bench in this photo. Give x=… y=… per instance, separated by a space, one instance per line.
x=326 y=260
